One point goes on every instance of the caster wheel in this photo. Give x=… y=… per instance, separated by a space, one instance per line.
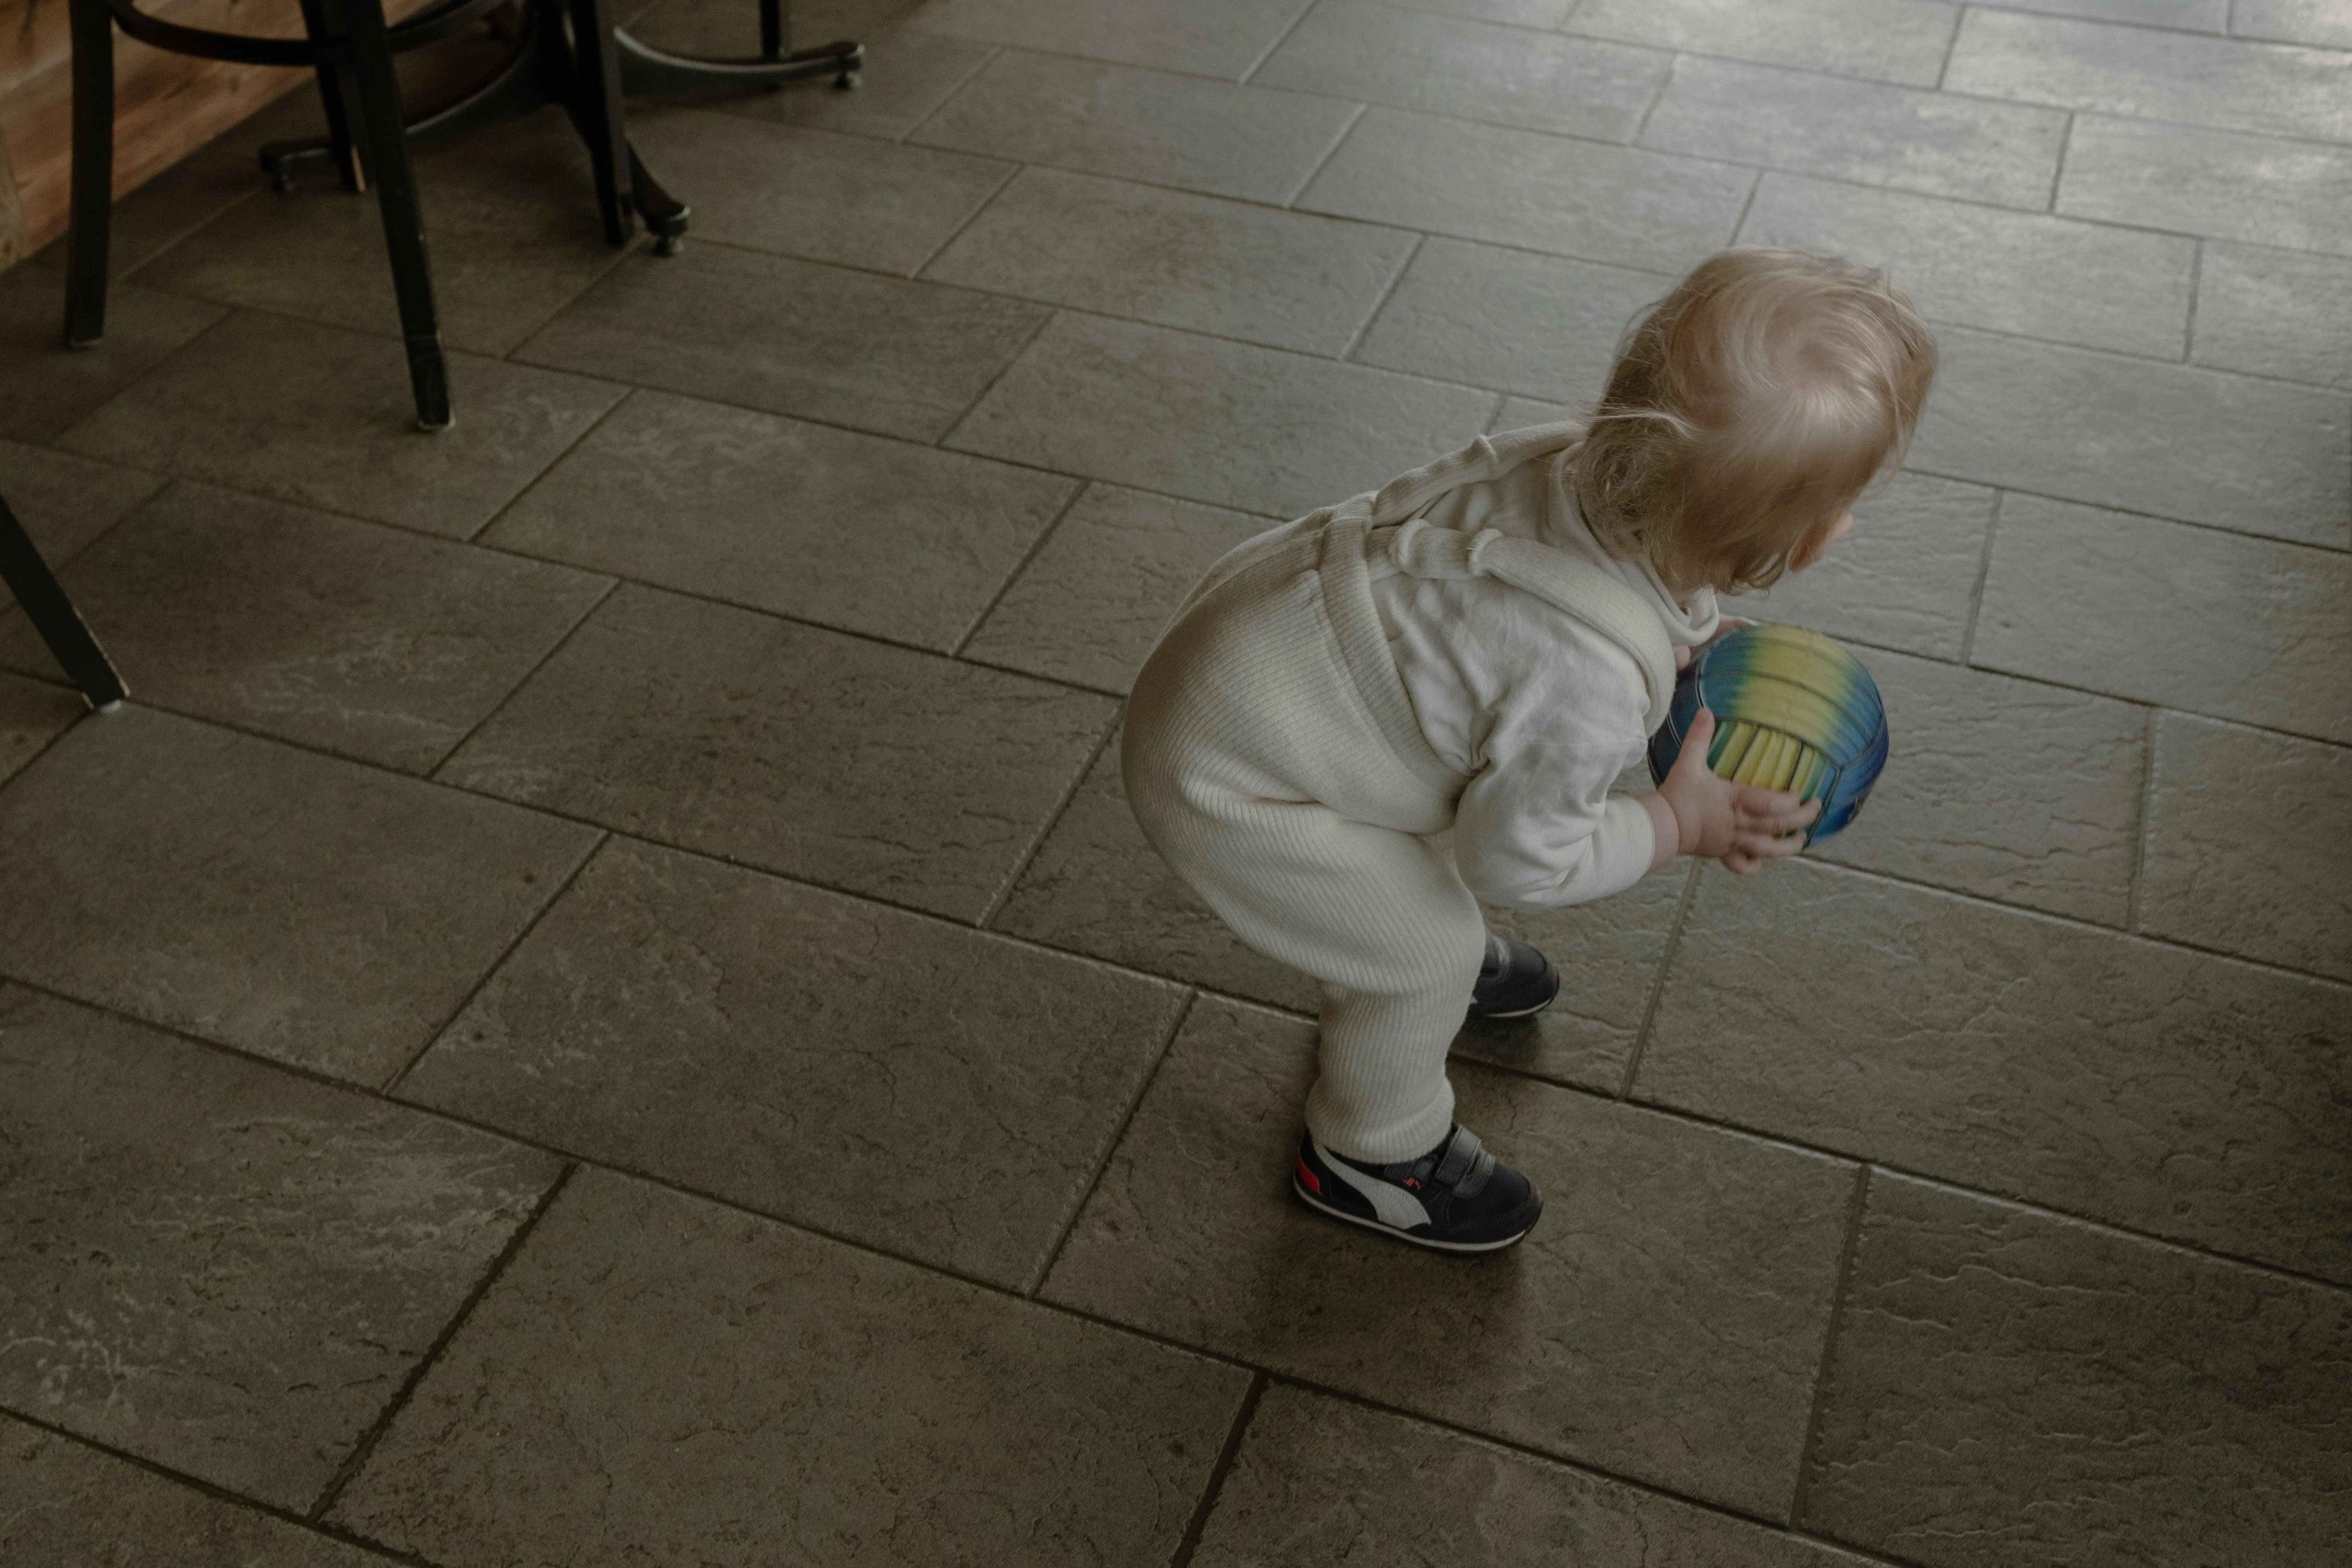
x=669 y=244
x=847 y=81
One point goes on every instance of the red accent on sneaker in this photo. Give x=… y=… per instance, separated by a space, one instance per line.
x=1308 y=1176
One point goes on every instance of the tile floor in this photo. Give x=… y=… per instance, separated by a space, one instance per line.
x=601 y=1003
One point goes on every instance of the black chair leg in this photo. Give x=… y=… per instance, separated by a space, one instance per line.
x=336 y=92
x=92 y=200
x=384 y=141
x=597 y=113
x=773 y=38
x=53 y=614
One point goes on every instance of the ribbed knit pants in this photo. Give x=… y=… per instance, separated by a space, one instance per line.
x=1279 y=774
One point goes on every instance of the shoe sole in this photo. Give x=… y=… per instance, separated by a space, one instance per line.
x=1433 y=1245
x=1522 y=1012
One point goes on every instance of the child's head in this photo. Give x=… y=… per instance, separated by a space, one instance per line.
x=1747 y=411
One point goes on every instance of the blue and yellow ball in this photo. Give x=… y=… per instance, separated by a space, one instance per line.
x=1792 y=711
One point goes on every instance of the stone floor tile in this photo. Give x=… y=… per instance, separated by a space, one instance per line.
x=2203 y=446
x=1524 y=13
x=62 y=1503
x=32 y=714
x=1213 y=421
x=1451 y=65
x=1151 y=125
x=2275 y=313
x=65 y=501
x=1892 y=41
x=346 y=636
x=1320 y=1480
x=1618 y=205
x=792 y=337
x=1905 y=578
x=873 y=535
x=2214 y=183
x=816 y=194
x=921 y=1088
x=2249 y=844
x=1096 y=887
x=1204 y=37
x=2185 y=1095
x=2238 y=628
x=45 y=386
x=292 y=905
x=500 y=268
x=905 y=75
x=2007 y=789
x=1541 y=325
x=724 y=1390
x=2320 y=22
x=2014 y=1385
x=2153 y=73
x=1901 y=137
x=1633 y=1331
x=2035 y=276
x=1519 y=412
x=1091 y=604
x=324 y=417
x=220 y=1267
x=826 y=757
x=177 y=201
x=1290 y=280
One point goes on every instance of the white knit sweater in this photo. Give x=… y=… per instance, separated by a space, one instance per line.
x=1540 y=710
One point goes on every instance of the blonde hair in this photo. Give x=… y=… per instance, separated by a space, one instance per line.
x=1748 y=409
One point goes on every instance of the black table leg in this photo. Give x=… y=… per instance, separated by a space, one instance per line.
x=92 y=202
x=53 y=614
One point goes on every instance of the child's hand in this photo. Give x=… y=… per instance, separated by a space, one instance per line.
x=1739 y=824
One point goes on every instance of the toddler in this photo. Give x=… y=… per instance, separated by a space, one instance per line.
x=1480 y=647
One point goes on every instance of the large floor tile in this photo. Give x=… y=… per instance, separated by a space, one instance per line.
x=1320 y=1480
x=919 y=1087
x=1601 y=203
x=816 y=194
x=1663 y=1321
x=64 y=501
x=1410 y=59
x=313 y=910
x=323 y=418
x=1526 y=12
x=45 y=386
x=792 y=337
x=822 y=756
x=873 y=535
x=1905 y=578
x=2214 y=183
x=1878 y=135
x=2032 y=275
x=2012 y=1387
x=2238 y=628
x=32 y=714
x=346 y=636
x=2155 y=73
x=2202 y=445
x=1149 y=125
x=1089 y=605
x=2249 y=844
x=905 y=75
x=1224 y=423
x=2275 y=313
x=2320 y=22
x=63 y=1503
x=2007 y=789
x=220 y=1267
x=693 y=1384
x=1543 y=325
x=1291 y=280
x=1892 y=41
x=2097 y=1073
x=1208 y=37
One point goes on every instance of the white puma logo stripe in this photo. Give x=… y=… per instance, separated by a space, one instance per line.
x=1392 y=1203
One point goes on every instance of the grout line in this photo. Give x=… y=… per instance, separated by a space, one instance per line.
x=992 y=53
x=1665 y=85
x=1984 y=574
x=1748 y=205
x=1151 y=1076
x=915 y=273
x=1829 y=1341
x=1306 y=9
x=2144 y=828
x=1199 y=1523
x=1047 y=823
x=1291 y=203
x=1046 y=317
x=358 y=1455
x=2058 y=169
x=1951 y=46
x=391 y=1086
x=1658 y=983
x=432 y=774
x=2196 y=287
x=1388 y=292
x=1028 y=557
x=547 y=470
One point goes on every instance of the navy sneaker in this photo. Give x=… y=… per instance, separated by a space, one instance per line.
x=1513 y=981
x=1455 y=1198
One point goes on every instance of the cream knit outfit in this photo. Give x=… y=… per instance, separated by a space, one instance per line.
x=1280 y=761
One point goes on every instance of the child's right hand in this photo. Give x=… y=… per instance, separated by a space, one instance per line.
x=1739 y=824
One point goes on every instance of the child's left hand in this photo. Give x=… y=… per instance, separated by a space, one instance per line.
x=1739 y=824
